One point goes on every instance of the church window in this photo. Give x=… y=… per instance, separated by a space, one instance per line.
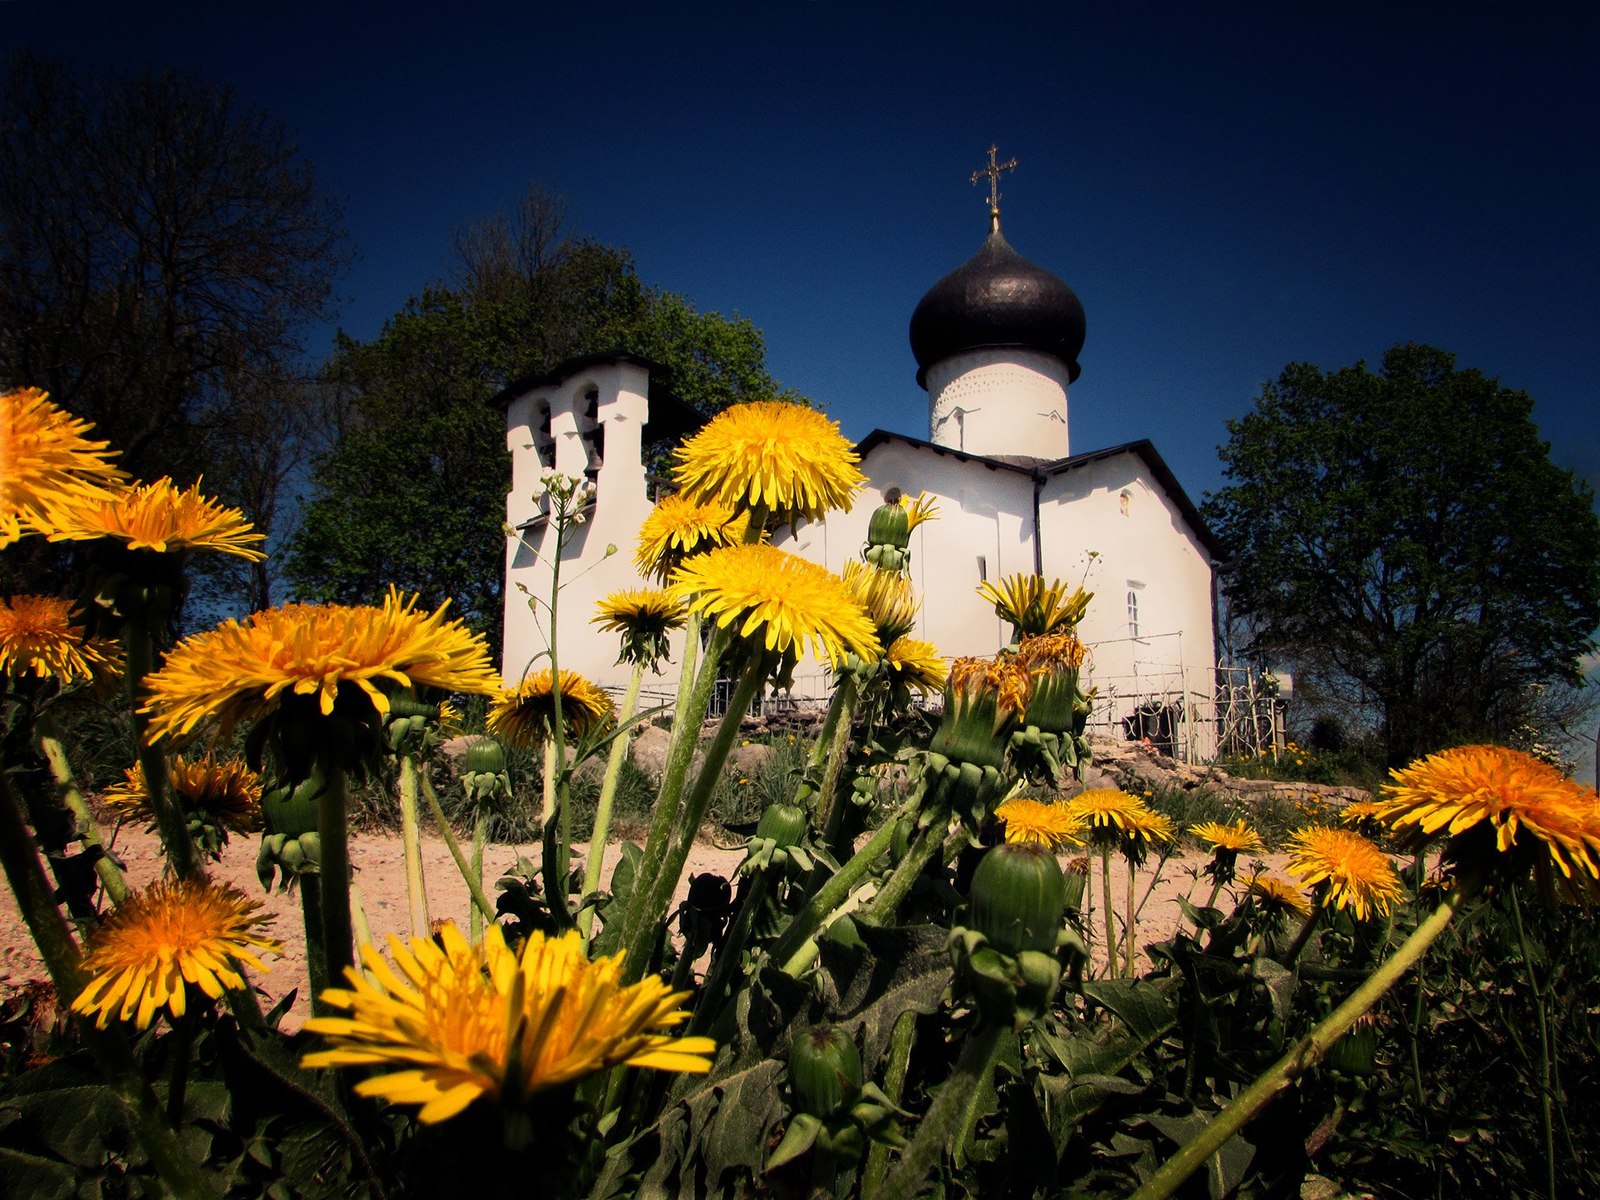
x=983 y=569
x=1126 y=501
x=1134 y=588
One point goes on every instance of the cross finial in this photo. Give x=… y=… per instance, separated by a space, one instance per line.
x=993 y=172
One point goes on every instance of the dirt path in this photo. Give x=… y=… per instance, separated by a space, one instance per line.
x=380 y=885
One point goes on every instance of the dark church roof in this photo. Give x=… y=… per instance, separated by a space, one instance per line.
x=997 y=299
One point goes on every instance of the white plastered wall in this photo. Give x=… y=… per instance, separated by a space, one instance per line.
x=1144 y=540
x=608 y=446
x=999 y=402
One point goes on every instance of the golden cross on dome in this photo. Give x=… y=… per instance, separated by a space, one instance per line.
x=993 y=172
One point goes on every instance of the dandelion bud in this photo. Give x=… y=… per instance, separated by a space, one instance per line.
x=784 y=824
x=485 y=757
x=825 y=1068
x=1018 y=898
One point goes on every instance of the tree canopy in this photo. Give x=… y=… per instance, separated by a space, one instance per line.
x=413 y=492
x=162 y=250
x=1403 y=537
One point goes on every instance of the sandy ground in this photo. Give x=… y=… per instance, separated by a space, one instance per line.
x=380 y=884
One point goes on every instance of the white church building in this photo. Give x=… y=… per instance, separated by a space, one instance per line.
x=996 y=344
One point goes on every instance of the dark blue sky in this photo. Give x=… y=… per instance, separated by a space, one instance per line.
x=1228 y=187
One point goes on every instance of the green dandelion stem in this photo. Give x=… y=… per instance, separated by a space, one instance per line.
x=665 y=880
x=316 y=958
x=1129 y=926
x=480 y=838
x=1546 y=1109
x=795 y=949
x=952 y=1114
x=1307 y=1053
x=411 y=843
x=894 y=1081
x=55 y=756
x=338 y=938
x=841 y=711
x=1105 y=899
x=640 y=924
x=1304 y=936
x=471 y=872
x=882 y=907
x=608 y=796
x=175 y=839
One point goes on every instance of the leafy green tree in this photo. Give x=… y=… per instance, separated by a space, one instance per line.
x=1403 y=539
x=163 y=250
x=413 y=492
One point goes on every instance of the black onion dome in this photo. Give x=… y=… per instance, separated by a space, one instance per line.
x=996 y=299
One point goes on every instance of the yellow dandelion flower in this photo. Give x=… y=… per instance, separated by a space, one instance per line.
x=154 y=516
x=225 y=793
x=450 y=718
x=788 y=458
x=44 y=456
x=242 y=669
x=645 y=618
x=462 y=1021
x=917 y=664
x=525 y=715
x=789 y=604
x=919 y=510
x=1358 y=812
x=887 y=596
x=1033 y=606
x=1358 y=875
x=1511 y=800
x=158 y=944
x=1277 y=896
x=677 y=529
x=1113 y=810
x=1237 y=838
x=1052 y=826
x=38 y=637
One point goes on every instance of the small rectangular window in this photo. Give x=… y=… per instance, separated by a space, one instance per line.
x=983 y=569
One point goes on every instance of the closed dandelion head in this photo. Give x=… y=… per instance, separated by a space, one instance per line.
x=1277 y=897
x=645 y=618
x=786 y=458
x=677 y=529
x=158 y=517
x=1055 y=660
x=1500 y=808
x=156 y=946
x=525 y=715
x=1053 y=826
x=458 y=1022
x=778 y=602
x=887 y=596
x=917 y=664
x=1033 y=606
x=244 y=670
x=45 y=456
x=39 y=638
x=1351 y=871
x=984 y=699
